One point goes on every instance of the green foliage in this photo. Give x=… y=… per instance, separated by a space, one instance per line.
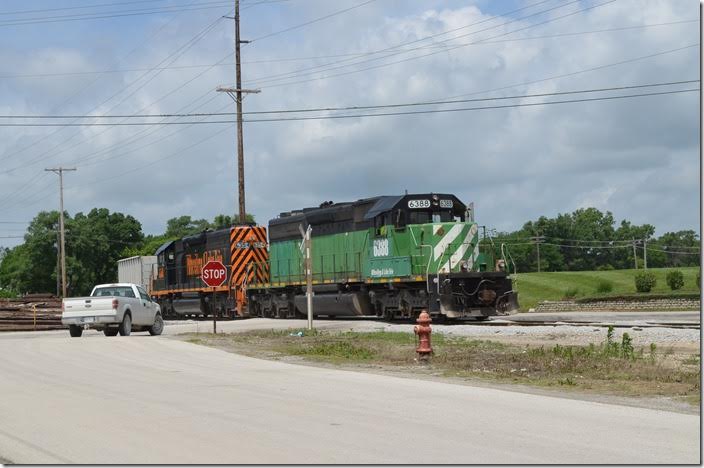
x=645 y=281
x=7 y=294
x=699 y=279
x=185 y=226
x=675 y=279
x=536 y=287
x=336 y=349
x=571 y=293
x=222 y=221
x=94 y=243
x=604 y=286
x=626 y=346
x=604 y=245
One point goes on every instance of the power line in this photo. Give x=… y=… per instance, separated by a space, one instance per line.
x=82 y=89
x=173 y=57
x=397 y=48
x=347 y=108
x=83 y=7
x=258 y=82
x=125 y=13
x=355 y=54
x=316 y=20
x=351 y=116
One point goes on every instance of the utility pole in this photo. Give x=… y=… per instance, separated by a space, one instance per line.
x=538 y=240
x=308 y=267
x=60 y=171
x=236 y=94
x=635 y=256
x=645 y=254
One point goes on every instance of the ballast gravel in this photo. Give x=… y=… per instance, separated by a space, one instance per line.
x=564 y=334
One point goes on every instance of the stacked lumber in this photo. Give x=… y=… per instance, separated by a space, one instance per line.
x=33 y=311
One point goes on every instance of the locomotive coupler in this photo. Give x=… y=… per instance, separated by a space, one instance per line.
x=423 y=330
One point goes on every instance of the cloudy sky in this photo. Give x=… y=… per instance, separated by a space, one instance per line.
x=637 y=157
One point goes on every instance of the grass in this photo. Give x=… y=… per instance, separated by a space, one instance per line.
x=612 y=367
x=553 y=286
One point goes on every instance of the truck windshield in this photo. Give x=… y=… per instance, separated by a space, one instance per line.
x=121 y=291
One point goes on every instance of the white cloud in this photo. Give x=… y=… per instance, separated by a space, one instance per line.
x=636 y=158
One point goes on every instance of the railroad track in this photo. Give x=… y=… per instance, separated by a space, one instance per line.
x=28 y=324
x=543 y=323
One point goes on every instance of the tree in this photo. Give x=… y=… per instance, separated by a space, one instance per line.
x=184 y=226
x=222 y=221
x=95 y=242
x=678 y=249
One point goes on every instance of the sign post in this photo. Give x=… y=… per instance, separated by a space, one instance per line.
x=214 y=274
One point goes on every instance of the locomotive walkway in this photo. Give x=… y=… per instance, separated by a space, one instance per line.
x=143 y=399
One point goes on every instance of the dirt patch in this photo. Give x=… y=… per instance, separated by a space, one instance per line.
x=611 y=369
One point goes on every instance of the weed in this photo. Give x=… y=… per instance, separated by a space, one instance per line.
x=604 y=286
x=627 y=346
x=566 y=381
x=571 y=293
x=691 y=360
x=336 y=349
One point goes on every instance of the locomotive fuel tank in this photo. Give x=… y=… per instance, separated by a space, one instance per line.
x=341 y=304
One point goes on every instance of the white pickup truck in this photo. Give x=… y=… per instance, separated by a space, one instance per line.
x=113 y=308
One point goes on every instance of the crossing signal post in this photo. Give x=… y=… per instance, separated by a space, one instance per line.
x=308 y=267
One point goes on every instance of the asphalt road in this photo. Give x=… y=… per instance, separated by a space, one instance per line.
x=143 y=399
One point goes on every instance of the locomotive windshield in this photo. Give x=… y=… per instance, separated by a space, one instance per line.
x=433 y=216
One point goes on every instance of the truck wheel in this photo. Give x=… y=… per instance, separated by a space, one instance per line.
x=158 y=326
x=111 y=331
x=75 y=331
x=126 y=325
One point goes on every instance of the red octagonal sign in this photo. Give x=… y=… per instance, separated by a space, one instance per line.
x=213 y=273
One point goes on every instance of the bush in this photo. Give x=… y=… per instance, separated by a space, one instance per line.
x=675 y=279
x=571 y=293
x=645 y=281
x=607 y=267
x=6 y=293
x=604 y=286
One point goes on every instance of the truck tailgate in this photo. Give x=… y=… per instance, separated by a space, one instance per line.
x=98 y=307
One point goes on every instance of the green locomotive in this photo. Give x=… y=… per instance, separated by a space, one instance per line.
x=386 y=256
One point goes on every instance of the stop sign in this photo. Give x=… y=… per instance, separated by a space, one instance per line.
x=213 y=273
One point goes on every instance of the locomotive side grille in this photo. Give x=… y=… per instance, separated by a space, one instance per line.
x=248 y=255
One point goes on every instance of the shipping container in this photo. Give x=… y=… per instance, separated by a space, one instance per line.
x=137 y=270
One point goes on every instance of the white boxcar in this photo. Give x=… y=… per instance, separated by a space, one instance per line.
x=137 y=270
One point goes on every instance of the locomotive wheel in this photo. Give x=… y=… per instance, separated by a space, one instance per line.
x=281 y=312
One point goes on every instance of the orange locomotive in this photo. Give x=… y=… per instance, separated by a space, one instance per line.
x=178 y=287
